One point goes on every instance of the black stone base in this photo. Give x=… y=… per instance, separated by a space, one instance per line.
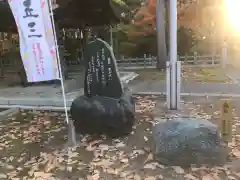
x=103 y=115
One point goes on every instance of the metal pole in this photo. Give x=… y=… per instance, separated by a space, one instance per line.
x=224 y=55
x=173 y=52
x=71 y=129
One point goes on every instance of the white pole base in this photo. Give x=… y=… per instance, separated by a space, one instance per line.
x=173 y=82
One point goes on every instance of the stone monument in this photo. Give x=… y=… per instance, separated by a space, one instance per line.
x=102 y=77
x=105 y=108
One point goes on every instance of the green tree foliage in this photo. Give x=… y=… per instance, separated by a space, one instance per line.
x=186 y=40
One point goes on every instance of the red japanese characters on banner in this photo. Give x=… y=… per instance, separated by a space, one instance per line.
x=37 y=40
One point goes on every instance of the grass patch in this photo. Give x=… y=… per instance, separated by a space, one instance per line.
x=214 y=75
x=205 y=75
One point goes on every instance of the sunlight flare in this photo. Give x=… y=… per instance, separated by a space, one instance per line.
x=232 y=9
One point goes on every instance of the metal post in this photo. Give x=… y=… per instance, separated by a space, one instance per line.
x=111 y=36
x=71 y=128
x=224 y=55
x=173 y=53
x=168 y=86
x=178 y=83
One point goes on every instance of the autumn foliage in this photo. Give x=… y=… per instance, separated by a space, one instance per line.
x=191 y=14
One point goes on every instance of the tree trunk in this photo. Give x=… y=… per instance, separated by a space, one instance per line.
x=161 y=35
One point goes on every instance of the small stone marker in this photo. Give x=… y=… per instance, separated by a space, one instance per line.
x=226 y=120
x=187 y=141
x=101 y=77
x=71 y=134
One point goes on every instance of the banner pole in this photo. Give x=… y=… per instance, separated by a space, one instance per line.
x=71 y=130
x=173 y=51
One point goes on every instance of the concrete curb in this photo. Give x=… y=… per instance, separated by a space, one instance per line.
x=130 y=68
x=131 y=76
x=8 y=113
x=37 y=108
x=163 y=94
x=190 y=94
x=235 y=81
x=57 y=102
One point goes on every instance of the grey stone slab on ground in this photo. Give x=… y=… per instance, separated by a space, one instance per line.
x=182 y=142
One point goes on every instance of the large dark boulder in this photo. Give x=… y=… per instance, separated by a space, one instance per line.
x=182 y=142
x=103 y=115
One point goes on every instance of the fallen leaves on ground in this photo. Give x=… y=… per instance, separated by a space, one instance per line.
x=33 y=147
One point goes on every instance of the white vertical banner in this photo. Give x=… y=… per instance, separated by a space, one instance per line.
x=37 y=43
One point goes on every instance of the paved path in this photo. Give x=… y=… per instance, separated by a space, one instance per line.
x=160 y=86
x=233 y=73
x=49 y=96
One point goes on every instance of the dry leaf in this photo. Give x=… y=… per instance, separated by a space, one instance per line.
x=15 y=179
x=42 y=175
x=124 y=174
x=10 y=167
x=52 y=163
x=159 y=176
x=2 y=176
x=103 y=147
x=145 y=138
x=137 y=177
x=237 y=154
x=124 y=160
x=69 y=169
x=90 y=148
x=73 y=154
x=190 y=177
x=19 y=168
x=120 y=145
x=208 y=177
x=231 y=178
x=149 y=158
x=150 y=166
x=138 y=152
x=178 y=169
x=93 y=177
x=110 y=171
x=150 y=178
x=11 y=158
x=12 y=174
